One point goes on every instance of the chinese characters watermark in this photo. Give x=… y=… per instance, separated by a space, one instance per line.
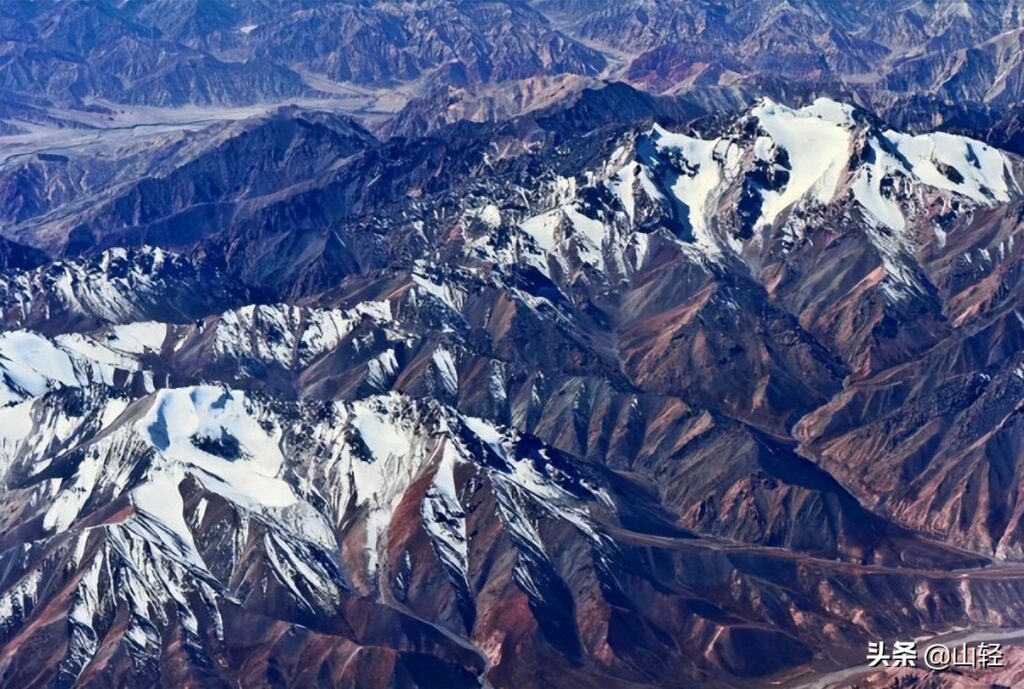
x=935 y=656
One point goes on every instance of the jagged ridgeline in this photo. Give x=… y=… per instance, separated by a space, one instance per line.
x=571 y=400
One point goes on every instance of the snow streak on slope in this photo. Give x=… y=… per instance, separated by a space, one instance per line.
x=31 y=364
x=445 y=366
x=117 y=286
x=294 y=335
x=445 y=520
x=700 y=170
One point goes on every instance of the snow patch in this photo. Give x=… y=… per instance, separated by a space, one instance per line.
x=817 y=142
x=213 y=433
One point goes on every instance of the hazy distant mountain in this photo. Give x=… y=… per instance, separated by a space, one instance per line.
x=230 y=53
x=446 y=61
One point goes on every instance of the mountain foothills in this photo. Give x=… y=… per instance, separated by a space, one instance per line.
x=385 y=345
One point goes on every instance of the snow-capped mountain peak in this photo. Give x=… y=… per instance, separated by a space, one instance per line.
x=770 y=176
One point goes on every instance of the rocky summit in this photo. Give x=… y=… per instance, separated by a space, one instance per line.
x=507 y=345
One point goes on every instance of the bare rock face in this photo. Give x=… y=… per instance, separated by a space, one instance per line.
x=576 y=400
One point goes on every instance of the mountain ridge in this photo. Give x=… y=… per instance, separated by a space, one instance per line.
x=572 y=399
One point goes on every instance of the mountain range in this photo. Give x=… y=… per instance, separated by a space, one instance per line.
x=507 y=344
x=921 y=60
